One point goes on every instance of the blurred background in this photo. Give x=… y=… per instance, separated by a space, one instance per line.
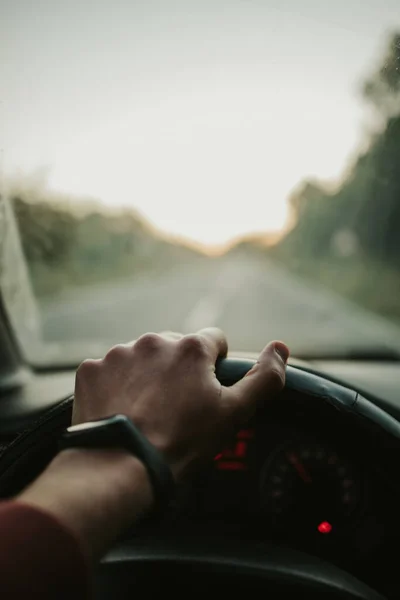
x=176 y=164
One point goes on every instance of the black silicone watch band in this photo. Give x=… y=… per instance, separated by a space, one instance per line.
x=118 y=431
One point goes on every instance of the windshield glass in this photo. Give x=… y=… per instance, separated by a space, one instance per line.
x=174 y=164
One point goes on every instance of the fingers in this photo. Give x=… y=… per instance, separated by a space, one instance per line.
x=209 y=342
x=215 y=341
x=212 y=339
x=264 y=380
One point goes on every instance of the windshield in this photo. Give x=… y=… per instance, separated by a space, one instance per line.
x=178 y=164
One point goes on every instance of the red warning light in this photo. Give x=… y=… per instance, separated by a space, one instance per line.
x=232 y=459
x=324 y=527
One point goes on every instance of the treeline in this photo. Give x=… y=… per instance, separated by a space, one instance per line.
x=64 y=248
x=349 y=238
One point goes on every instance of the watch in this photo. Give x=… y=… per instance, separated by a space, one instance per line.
x=118 y=431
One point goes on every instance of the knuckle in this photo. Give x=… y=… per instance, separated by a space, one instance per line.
x=149 y=342
x=194 y=346
x=89 y=368
x=116 y=353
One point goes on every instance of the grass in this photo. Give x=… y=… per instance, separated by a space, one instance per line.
x=372 y=285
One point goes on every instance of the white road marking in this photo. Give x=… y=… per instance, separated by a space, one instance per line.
x=207 y=311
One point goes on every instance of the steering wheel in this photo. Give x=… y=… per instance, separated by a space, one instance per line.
x=194 y=568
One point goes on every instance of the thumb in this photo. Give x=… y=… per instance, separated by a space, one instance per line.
x=265 y=379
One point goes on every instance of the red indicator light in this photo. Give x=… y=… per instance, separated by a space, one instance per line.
x=231 y=466
x=235 y=454
x=240 y=449
x=324 y=527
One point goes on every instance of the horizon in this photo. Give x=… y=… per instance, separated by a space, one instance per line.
x=202 y=118
x=34 y=188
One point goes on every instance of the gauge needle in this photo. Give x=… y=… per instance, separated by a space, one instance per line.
x=300 y=468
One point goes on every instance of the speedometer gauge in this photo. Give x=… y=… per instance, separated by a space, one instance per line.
x=309 y=489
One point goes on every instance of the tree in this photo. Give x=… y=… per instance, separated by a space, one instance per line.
x=382 y=88
x=47 y=232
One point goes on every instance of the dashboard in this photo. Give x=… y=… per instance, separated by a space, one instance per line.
x=300 y=475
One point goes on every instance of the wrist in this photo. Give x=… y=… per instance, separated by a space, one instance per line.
x=113 y=472
x=96 y=493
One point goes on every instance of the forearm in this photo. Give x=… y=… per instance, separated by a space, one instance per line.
x=95 y=493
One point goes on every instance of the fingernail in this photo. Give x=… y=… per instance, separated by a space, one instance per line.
x=282 y=350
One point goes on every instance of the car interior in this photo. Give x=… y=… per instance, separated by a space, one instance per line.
x=170 y=166
x=304 y=500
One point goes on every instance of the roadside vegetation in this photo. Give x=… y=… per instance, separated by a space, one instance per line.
x=348 y=238
x=69 y=243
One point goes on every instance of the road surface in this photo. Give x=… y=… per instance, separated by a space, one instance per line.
x=251 y=299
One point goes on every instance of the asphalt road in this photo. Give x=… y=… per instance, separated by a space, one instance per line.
x=253 y=301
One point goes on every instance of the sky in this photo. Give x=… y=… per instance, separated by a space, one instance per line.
x=203 y=115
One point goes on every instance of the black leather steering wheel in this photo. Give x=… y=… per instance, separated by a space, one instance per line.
x=344 y=399
x=264 y=567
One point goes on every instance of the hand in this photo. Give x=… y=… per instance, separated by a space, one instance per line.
x=166 y=384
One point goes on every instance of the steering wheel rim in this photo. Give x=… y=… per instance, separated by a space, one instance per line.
x=266 y=565
x=344 y=399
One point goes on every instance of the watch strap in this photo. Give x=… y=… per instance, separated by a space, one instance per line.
x=118 y=431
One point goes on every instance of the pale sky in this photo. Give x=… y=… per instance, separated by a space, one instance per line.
x=201 y=114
